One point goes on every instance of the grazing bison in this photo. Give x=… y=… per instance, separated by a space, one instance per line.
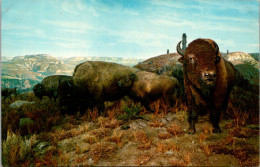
x=208 y=81
x=49 y=86
x=8 y=92
x=147 y=87
x=93 y=83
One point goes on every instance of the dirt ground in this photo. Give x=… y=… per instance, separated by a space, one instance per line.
x=157 y=140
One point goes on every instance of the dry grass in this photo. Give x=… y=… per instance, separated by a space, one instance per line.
x=177 y=162
x=164 y=136
x=228 y=140
x=207 y=130
x=102 y=150
x=81 y=159
x=108 y=123
x=116 y=138
x=63 y=159
x=47 y=160
x=242 y=132
x=100 y=133
x=157 y=107
x=155 y=123
x=144 y=143
x=93 y=114
x=175 y=130
x=186 y=157
x=44 y=114
x=240 y=117
x=161 y=147
x=164 y=147
x=203 y=137
x=62 y=134
x=16 y=149
x=90 y=139
x=242 y=151
x=206 y=149
x=143 y=159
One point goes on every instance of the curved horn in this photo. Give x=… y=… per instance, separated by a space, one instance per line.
x=216 y=48
x=179 y=50
x=70 y=85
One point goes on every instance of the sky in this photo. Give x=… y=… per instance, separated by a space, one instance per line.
x=125 y=28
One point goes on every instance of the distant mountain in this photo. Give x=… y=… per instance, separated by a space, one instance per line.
x=240 y=56
x=24 y=72
x=160 y=64
x=246 y=65
x=255 y=56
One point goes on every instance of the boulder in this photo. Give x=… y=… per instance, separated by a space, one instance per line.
x=20 y=103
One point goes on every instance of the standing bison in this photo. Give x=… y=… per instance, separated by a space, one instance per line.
x=93 y=83
x=208 y=81
x=147 y=87
x=8 y=92
x=49 y=86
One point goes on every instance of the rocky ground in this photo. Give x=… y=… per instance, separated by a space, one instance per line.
x=155 y=140
x=36 y=134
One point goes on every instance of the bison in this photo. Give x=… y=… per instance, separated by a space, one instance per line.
x=93 y=83
x=147 y=87
x=8 y=92
x=49 y=86
x=208 y=81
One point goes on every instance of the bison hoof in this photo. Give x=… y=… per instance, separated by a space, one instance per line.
x=216 y=130
x=191 y=131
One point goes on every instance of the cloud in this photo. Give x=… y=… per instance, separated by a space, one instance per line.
x=14 y=26
x=239 y=5
x=200 y=25
x=78 y=6
x=75 y=7
x=176 y=4
x=74 y=45
x=144 y=39
x=227 y=43
x=74 y=25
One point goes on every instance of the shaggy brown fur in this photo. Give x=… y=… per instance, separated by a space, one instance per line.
x=94 y=82
x=49 y=86
x=203 y=95
x=147 y=87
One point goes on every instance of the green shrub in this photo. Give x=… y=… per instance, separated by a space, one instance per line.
x=43 y=114
x=132 y=112
x=16 y=149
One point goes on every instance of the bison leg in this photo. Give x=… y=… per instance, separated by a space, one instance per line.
x=192 y=119
x=214 y=119
x=146 y=104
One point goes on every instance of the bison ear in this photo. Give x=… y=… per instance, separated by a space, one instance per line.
x=39 y=85
x=217 y=59
x=181 y=59
x=216 y=47
x=132 y=76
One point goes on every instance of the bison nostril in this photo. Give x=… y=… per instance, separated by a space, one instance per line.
x=206 y=75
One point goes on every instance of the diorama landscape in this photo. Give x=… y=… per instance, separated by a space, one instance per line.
x=36 y=133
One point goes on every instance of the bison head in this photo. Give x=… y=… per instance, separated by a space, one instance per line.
x=67 y=96
x=38 y=90
x=199 y=61
x=127 y=81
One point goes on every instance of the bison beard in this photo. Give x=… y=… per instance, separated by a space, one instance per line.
x=208 y=80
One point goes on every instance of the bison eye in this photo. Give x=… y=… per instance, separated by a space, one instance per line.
x=191 y=60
